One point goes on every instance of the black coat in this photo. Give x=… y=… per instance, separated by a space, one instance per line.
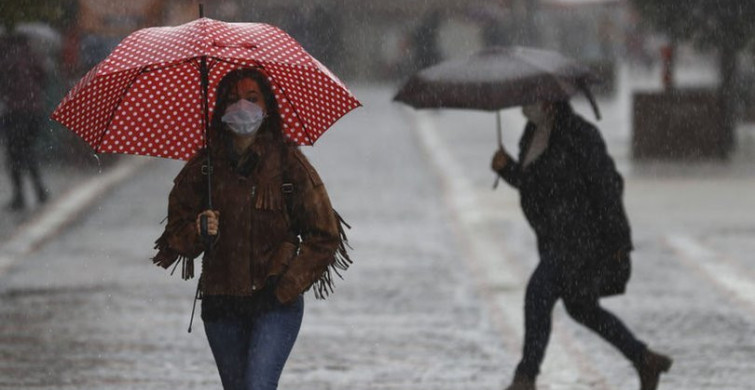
x=571 y=196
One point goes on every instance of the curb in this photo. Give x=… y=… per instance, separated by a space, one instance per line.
x=56 y=215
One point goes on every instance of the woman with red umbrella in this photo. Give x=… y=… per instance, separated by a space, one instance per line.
x=273 y=233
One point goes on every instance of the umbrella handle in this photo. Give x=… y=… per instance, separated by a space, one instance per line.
x=588 y=94
x=204 y=231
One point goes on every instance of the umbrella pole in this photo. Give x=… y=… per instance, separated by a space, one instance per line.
x=204 y=79
x=500 y=143
x=205 y=106
x=498 y=128
x=206 y=238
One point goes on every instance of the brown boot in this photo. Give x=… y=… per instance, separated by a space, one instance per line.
x=650 y=367
x=522 y=382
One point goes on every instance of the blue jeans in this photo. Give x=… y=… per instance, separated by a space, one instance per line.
x=250 y=352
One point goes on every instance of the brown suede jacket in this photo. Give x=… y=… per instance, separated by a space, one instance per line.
x=276 y=223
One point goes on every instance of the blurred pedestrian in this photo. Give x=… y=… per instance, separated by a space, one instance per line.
x=571 y=193
x=273 y=233
x=22 y=83
x=425 y=40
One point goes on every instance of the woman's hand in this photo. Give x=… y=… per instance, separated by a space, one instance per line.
x=500 y=160
x=213 y=221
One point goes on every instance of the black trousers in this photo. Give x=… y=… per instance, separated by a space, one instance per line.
x=21 y=131
x=545 y=287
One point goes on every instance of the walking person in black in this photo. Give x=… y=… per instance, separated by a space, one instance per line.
x=571 y=195
x=21 y=92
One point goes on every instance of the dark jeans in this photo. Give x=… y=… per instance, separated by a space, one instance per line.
x=545 y=287
x=250 y=352
x=21 y=131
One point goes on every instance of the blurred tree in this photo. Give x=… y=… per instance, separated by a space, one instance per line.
x=54 y=12
x=531 y=33
x=725 y=25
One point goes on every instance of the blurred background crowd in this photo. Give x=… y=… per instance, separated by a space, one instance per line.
x=384 y=41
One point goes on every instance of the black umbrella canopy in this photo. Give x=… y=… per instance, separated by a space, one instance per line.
x=498 y=78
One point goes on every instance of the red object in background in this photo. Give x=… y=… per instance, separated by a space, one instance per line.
x=667 y=58
x=146 y=97
x=69 y=54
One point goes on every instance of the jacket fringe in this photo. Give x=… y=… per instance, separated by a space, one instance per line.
x=269 y=198
x=166 y=256
x=324 y=286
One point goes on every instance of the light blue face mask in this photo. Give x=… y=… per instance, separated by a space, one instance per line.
x=243 y=117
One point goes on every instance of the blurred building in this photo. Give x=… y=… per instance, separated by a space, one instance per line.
x=103 y=23
x=593 y=32
x=585 y=29
x=389 y=39
x=369 y=40
x=99 y=25
x=383 y=39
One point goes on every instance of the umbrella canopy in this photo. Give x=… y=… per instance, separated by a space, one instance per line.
x=147 y=97
x=497 y=78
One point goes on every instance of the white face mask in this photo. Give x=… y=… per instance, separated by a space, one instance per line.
x=535 y=113
x=243 y=117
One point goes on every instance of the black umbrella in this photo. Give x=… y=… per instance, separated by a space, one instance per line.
x=498 y=78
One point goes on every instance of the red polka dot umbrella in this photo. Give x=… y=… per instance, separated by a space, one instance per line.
x=147 y=97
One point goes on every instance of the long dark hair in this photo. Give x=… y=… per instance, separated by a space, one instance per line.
x=272 y=124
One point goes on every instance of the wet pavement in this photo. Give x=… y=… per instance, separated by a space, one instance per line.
x=434 y=298
x=91 y=310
